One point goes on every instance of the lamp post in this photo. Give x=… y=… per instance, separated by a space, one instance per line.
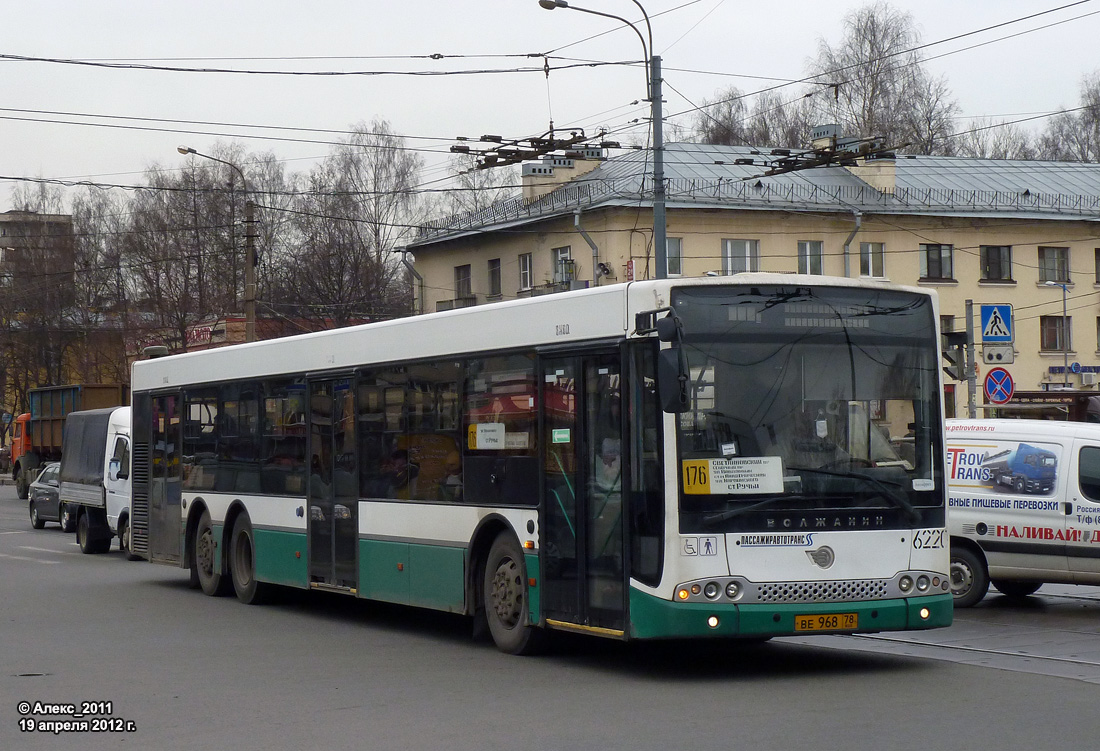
x=653 y=90
x=1065 y=335
x=249 y=246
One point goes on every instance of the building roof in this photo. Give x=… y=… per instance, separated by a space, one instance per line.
x=706 y=176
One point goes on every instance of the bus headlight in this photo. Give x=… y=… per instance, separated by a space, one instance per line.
x=711 y=590
x=906 y=583
x=922 y=583
x=733 y=590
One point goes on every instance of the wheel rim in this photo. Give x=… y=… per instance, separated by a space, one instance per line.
x=204 y=552
x=962 y=578
x=34 y=515
x=125 y=537
x=61 y=516
x=507 y=593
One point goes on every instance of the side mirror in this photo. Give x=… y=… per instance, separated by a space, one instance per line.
x=672 y=381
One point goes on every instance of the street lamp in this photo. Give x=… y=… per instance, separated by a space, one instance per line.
x=249 y=246
x=1065 y=335
x=653 y=90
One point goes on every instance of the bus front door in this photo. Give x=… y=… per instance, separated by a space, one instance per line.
x=584 y=581
x=333 y=486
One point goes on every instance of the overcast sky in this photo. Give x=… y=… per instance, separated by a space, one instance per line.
x=706 y=45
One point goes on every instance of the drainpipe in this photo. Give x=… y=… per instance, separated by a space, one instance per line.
x=847 y=244
x=595 y=250
x=418 y=295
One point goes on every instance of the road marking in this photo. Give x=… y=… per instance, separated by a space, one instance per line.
x=38 y=550
x=25 y=558
x=16 y=532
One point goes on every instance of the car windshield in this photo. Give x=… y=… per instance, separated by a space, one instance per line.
x=806 y=400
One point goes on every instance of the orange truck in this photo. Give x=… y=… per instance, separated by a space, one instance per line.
x=37 y=433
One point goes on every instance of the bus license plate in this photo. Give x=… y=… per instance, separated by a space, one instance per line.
x=826 y=622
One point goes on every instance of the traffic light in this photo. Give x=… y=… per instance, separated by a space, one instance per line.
x=954 y=353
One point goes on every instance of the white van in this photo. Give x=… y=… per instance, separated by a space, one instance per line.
x=1024 y=506
x=95 y=476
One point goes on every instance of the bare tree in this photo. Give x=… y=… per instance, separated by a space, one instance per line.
x=1075 y=136
x=991 y=140
x=359 y=206
x=475 y=189
x=881 y=89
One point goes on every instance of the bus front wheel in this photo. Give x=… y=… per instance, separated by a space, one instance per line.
x=202 y=559
x=242 y=564
x=504 y=592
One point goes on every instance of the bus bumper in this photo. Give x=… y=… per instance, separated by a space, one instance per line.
x=655 y=618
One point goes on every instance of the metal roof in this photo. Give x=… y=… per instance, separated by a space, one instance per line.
x=705 y=176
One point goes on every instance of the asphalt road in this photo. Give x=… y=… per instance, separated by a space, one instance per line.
x=315 y=671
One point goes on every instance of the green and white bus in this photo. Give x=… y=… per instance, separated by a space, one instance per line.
x=743 y=457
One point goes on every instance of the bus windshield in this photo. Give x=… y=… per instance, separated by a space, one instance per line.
x=809 y=408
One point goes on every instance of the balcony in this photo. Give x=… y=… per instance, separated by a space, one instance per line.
x=459 y=302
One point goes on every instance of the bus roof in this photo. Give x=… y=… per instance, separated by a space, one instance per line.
x=605 y=312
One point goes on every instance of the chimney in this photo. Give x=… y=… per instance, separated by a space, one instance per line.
x=542 y=177
x=880 y=172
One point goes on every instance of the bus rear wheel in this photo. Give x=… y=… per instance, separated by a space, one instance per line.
x=242 y=564
x=202 y=559
x=504 y=592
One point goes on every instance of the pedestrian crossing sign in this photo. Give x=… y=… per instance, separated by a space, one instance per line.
x=996 y=323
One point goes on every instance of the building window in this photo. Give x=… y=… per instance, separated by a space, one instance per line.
x=1053 y=264
x=1054 y=333
x=494 y=277
x=872 y=260
x=525 y=271
x=811 y=257
x=1096 y=263
x=740 y=255
x=996 y=263
x=1098 y=334
x=564 y=270
x=936 y=261
x=674 y=259
x=462 y=281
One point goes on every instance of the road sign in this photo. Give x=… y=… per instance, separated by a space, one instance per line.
x=997 y=354
x=998 y=386
x=996 y=323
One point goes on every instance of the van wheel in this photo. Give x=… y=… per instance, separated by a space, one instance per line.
x=1016 y=588
x=124 y=540
x=504 y=592
x=65 y=518
x=969 y=579
x=212 y=582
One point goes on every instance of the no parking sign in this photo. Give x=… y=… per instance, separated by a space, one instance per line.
x=999 y=386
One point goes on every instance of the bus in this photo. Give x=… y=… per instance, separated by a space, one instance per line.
x=747 y=456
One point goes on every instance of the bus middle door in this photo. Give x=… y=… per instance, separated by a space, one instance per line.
x=333 y=486
x=581 y=530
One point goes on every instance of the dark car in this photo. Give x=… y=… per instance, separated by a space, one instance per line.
x=45 y=504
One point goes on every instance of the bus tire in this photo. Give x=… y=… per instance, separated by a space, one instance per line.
x=242 y=564
x=504 y=593
x=969 y=578
x=1016 y=588
x=212 y=583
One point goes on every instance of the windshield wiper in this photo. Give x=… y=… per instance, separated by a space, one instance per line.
x=894 y=496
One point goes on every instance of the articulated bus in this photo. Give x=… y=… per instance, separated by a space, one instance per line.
x=742 y=457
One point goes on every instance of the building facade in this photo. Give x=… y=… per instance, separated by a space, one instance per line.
x=1021 y=233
